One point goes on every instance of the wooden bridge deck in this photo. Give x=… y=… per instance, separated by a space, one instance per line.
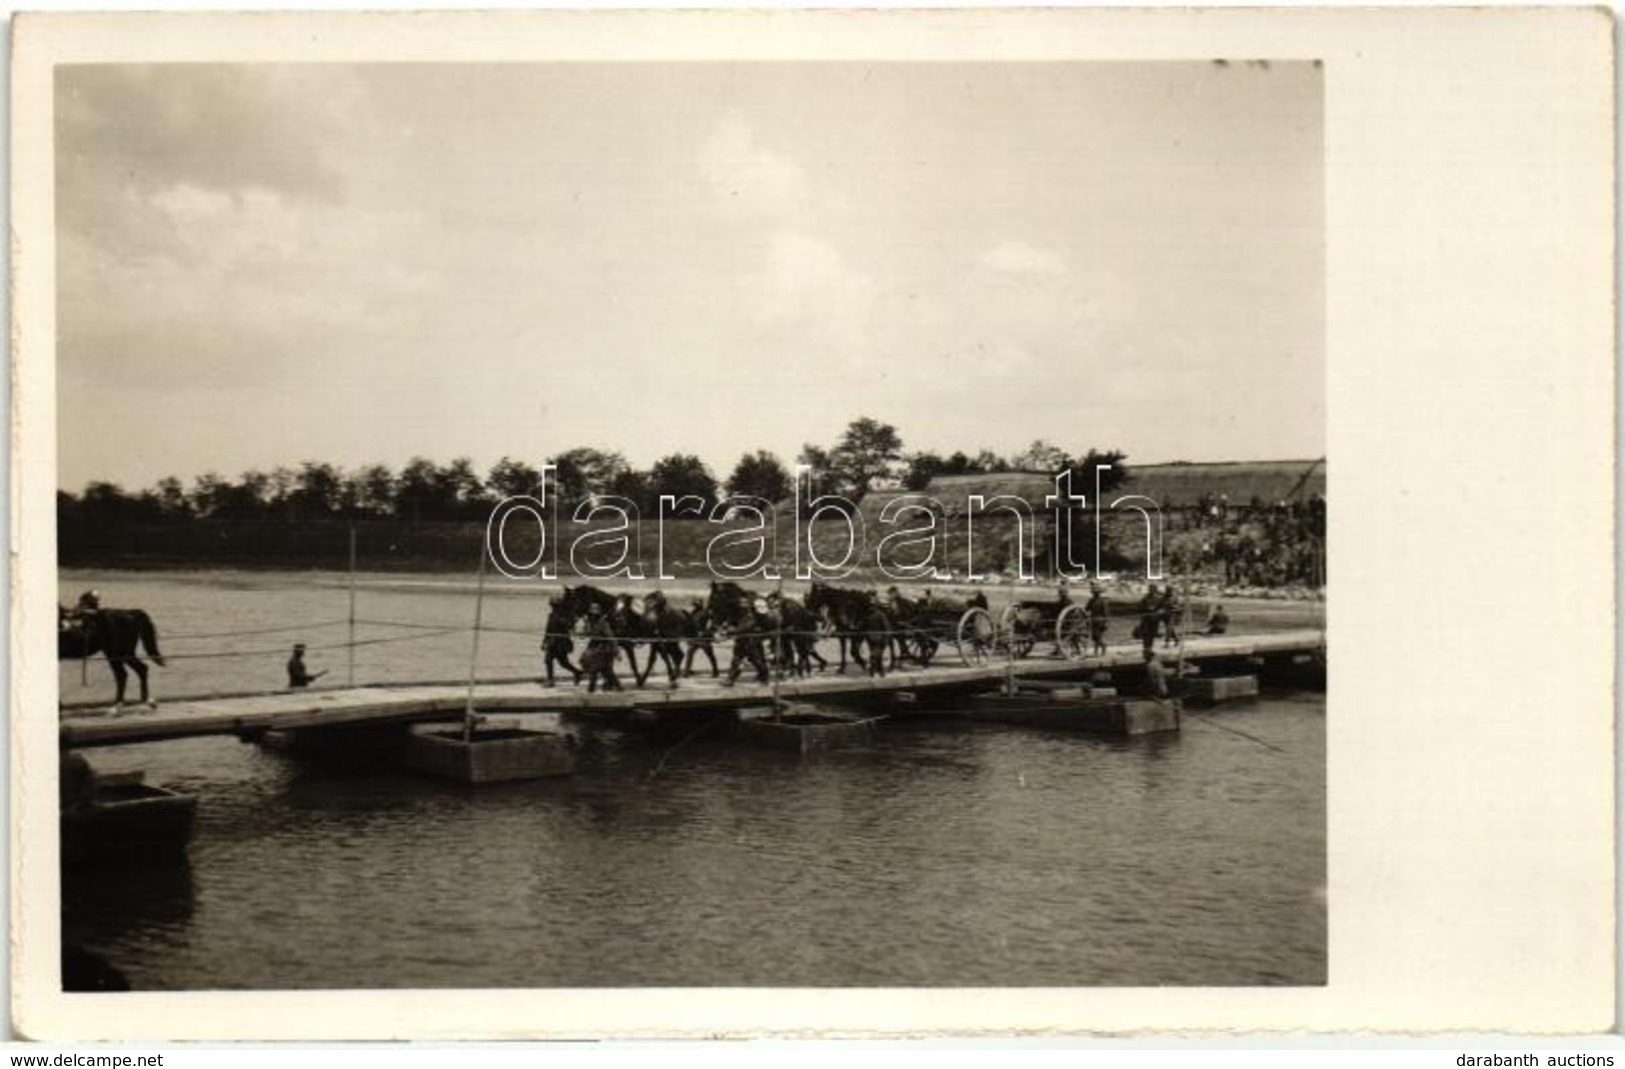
x=353 y=707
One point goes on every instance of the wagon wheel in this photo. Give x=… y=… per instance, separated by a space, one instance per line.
x=975 y=636
x=925 y=645
x=1015 y=631
x=1071 y=628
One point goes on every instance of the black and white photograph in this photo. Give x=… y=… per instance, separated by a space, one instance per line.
x=894 y=726
x=695 y=523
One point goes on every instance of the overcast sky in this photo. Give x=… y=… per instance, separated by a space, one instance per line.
x=260 y=265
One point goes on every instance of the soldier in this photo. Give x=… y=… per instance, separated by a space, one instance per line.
x=599 y=660
x=700 y=636
x=1146 y=629
x=556 y=642
x=298 y=674
x=748 y=639
x=1063 y=598
x=1168 y=613
x=1097 y=611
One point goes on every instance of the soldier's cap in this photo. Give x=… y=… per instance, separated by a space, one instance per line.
x=298 y=646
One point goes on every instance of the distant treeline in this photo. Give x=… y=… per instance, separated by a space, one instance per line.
x=416 y=517
x=868 y=454
x=676 y=547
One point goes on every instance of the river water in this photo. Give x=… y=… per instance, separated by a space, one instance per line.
x=945 y=854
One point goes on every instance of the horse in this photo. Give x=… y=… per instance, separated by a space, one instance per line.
x=629 y=624
x=666 y=626
x=114 y=633
x=700 y=633
x=795 y=628
x=575 y=601
x=798 y=637
x=732 y=608
x=859 y=618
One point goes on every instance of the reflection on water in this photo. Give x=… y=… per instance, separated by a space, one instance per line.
x=944 y=854
x=110 y=902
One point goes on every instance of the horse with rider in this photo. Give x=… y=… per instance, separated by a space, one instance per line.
x=120 y=635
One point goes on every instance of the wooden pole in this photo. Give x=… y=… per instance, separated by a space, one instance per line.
x=1010 y=647
x=778 y=647
x=474 y=652
x=350 y=646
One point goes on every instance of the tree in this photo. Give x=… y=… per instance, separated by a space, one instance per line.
x=372 y=490
x=247 y=499
x=221 y=499
x=208 y=493
x=416 y=491
x=760 y=474
x=821 y=478
x=459 y=492
x=1083 y=470
x=636 y=487
x=317 y=490
x=1082 y=522
x=922 y=468
x=1041 y=456
x=866 y=452
x=987 y=460
x=279 y=485
x=514 y=478
x=172 y=500
x=681 y=474
x=104 y=502
x=583 y=472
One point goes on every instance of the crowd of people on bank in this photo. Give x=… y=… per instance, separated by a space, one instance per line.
x=1259 y=545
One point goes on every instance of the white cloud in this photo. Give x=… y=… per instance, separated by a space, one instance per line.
x=808 y=276
x=748 y=178
x=245 y=287
x=1019 y=258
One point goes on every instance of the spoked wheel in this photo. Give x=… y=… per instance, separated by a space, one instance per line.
x=975 y=636
x=1071 y=629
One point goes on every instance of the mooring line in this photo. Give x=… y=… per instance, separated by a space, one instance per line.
x=680 y=744
x=1235 y=731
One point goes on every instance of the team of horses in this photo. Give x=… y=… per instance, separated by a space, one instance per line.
x=877 y=631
